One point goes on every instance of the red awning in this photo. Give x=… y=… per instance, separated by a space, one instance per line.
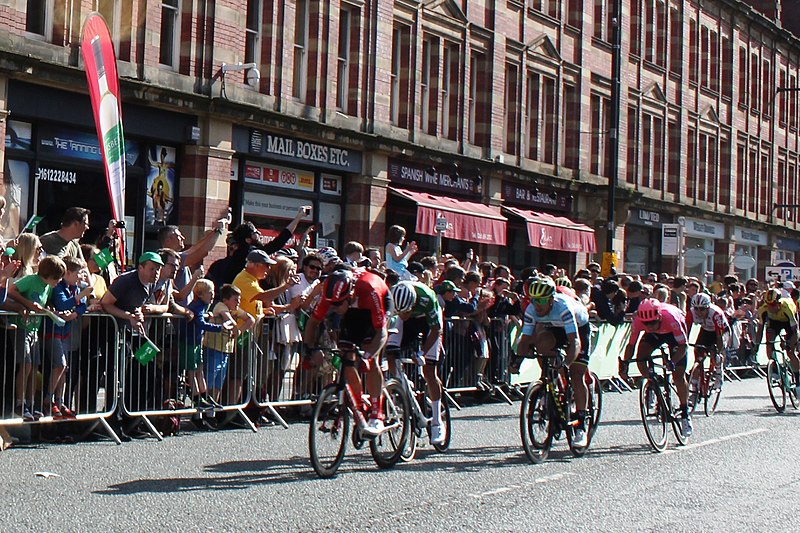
x=466 y=221
x=556 y=233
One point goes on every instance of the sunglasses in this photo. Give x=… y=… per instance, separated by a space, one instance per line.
x=650 y=323
x=541 y=302
x=314 y=267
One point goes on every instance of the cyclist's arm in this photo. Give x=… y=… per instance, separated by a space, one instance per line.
x=310 y=331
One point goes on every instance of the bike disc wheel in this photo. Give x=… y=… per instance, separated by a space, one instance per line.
x=775 y=386
x=387 y=447
x=327 y=435
x=654 y=413
x=536 y=423
x=712 y=400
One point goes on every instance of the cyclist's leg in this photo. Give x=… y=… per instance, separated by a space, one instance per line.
x=431 y=371
x=578 y=370
x=678 y=356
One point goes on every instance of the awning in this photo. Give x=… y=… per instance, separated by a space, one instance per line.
x=556 y=233
x=466 y=221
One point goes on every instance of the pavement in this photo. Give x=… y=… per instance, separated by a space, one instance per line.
x=738 y=473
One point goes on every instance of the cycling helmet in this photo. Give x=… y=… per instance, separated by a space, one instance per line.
x=649 y=310
x=338 y=286
x=542 y=288
x=404 y=296
x=701 y=300
x=328 y=255
x=772 y=296
x=563 y=281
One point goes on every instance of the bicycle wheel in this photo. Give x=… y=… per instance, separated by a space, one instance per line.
x=712 y=398
x=775 y=386
x=327 y=435
x=410 y=450
x=792 y=387
x=536 y=422
x=654 y=413
x=674 y=406
x=387 y=447
x=596 y=402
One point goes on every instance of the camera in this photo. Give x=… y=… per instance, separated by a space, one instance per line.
x=119 y=224
x=307 y=209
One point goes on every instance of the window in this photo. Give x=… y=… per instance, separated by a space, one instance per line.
x=754 y=62
x=343 y=61
x=704 y=56
x=782 y=107
x=540 y=111
x=741 y=176
x=511 y=99
x=602 y=19
x=724 y=197
x=707 y=165
x=38 y=17
x=600 y=163
x=633 y=145
x=400 y=75
x=636 y=28
x=766 y=88
x=480 y=84
x=572 y=127
x=713 y=45
x=252 y=34
x=691 y=163
x=652 y=151
x=675 y=41
x=791 y=186
x=430 y=85
x=692 y=51
x=780 y=192
x=450 y=91
x=575 y=13
x=727 y=67
x=299 y=85
x=752 y=182
x=655 y=21
x=742 y=72
x=548 y=7
x=112 y=11
x=674 y=161
x=765 y=183
x=170 y=33
x=793 y=103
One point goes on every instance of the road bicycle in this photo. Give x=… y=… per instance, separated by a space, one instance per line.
x=658 y=401
x=548 y=408
x=337 y=405
x=420 y=416
x=780 y=377
x=709 y=382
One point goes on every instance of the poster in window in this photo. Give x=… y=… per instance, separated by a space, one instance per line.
x=14 y=188
x=160 y=186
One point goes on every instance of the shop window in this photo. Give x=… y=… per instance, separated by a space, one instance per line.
x=160 y=187
x=39 y=18
x=300 y=50
x=745 y=261
x=170 y=33
x=15 y=188
x=252 y=35
x=400 y=75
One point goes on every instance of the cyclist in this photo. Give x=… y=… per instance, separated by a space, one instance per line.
x=780 y=314
x=361 y=298
x=553 y=321
x=714 y=331
x=415 y=300
x=661 y=323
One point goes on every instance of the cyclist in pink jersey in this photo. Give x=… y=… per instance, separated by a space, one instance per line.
x=661 y=323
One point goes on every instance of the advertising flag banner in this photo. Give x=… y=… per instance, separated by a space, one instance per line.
x=101 y=74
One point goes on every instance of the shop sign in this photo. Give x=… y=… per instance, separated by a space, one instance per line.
x=791 y=245
x=62 y=142
x=447 y=179
x=57 y=175
x=524 y=196
x=645 y=217
x=750 y=236
x=704 y=228
x=330 y=184
x=285 y=178
x=670 y=239
x=293 y=150
x=271 y=206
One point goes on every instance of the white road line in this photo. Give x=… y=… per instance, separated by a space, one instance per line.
x=715 y=441
x=537 y=481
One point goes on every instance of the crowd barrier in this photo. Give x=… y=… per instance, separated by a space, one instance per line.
x=78 y=365
x=105 y=375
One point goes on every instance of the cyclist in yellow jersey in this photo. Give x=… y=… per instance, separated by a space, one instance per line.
x=780 y=314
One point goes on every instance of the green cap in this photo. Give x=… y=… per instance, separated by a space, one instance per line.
x=446 y=286
x=151 y=256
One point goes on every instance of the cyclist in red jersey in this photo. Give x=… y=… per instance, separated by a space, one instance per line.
x=361 y=298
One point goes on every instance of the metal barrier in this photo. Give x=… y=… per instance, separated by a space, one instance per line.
x=169 y=383
x=283 y=377
x=58 y=374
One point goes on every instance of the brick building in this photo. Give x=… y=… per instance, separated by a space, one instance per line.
x=493 y=116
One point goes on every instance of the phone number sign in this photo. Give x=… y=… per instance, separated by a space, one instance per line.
x=275 y=176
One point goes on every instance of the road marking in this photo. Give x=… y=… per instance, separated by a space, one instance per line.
x=715 y=441
x=509 y=488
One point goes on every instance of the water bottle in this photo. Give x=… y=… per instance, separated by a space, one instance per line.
x=336 y=361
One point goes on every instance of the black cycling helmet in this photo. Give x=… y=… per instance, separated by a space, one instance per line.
x=338 y=286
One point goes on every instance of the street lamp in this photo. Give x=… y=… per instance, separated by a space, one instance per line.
x=616 y=82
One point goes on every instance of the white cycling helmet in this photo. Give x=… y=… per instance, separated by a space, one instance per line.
x=701 y=300
x=404 y=296
x=328 y=255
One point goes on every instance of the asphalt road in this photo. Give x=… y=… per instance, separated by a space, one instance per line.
x=738 y=473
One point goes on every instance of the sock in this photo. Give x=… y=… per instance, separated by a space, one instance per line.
x=376 y=409
x=436 y=411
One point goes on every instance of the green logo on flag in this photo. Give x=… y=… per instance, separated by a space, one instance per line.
x=103 y=258
x=146 y=352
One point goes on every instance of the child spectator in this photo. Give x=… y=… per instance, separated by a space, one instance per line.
x=28 y=251
x=32 y=292
x=190 y=357
x=396 y=256
x=70 y=302
x=221 y=346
